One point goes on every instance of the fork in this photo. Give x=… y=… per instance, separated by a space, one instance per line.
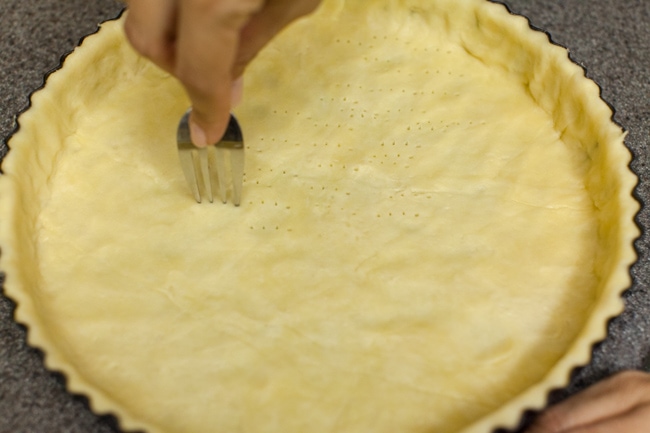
x=204 y=167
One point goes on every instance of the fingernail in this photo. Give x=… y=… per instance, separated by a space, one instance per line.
x=198 y=135
x=236 y=92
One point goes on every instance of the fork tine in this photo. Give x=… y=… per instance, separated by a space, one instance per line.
x=187 y=164
x=204 y=167
x=205 y=172
x=237 y=174
x=221 y=172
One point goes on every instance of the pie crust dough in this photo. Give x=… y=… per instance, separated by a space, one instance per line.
x=437 y=223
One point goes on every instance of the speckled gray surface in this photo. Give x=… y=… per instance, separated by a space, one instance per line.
x=611 y=39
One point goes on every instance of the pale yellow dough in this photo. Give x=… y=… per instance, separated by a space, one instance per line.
x=436 y=224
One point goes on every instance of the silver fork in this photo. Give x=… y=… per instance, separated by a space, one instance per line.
x=205 y=167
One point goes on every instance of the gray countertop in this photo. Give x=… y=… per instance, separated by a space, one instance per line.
x=610 y=39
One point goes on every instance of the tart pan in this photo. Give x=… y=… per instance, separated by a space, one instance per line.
x=532 y=398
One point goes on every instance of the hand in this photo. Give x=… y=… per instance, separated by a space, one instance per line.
x=207 y=44
x=620 y=404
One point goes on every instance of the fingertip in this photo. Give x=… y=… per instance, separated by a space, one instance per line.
x=205 y=133
x=197 y=134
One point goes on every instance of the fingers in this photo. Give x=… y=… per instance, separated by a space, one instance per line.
x=609 y=401
x=150 y=27
x=206 y=47
x=207 y=44
x=636 y=420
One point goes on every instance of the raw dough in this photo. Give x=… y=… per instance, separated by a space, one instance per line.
x=421 y=240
